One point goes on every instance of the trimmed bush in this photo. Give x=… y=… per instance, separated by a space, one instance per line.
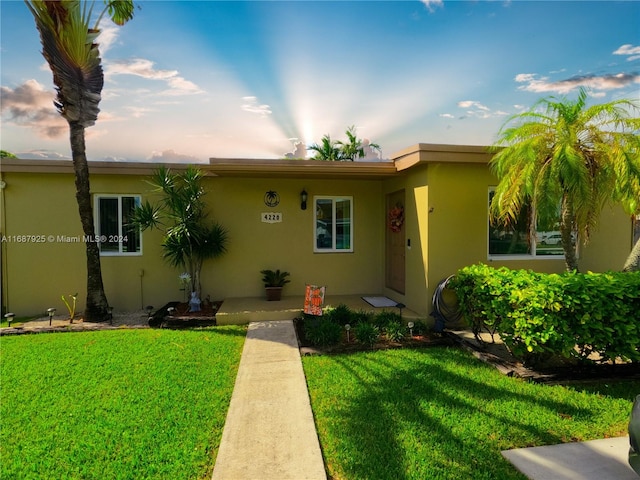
x=572 y=314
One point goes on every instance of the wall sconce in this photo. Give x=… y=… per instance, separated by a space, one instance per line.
x=51 y=312
x=303 y=199
x=9 y=316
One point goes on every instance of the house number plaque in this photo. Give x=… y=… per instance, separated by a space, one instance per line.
x=271 y=217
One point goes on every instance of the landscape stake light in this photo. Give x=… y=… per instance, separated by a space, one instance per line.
x=410 y=325
x=347 y=327
x=303 y=199
x=400 y=307
x=9 y=316
x=170 y=310
x=149 y=309
x=110 y=314
x=51 y=312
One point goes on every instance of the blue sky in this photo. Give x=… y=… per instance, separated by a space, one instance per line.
x=185 y=81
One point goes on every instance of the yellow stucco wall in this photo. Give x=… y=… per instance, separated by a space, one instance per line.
x=44 y=204
x=446 y=216
x=447 y=222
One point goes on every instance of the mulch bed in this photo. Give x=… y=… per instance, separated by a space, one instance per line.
x=350 y=345
x=183 y=318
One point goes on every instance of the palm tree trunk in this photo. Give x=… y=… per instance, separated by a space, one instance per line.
x=96 y=305
x=566 y=230
x=633 y=260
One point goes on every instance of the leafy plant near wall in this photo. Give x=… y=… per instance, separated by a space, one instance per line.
x=190 y=237
x=71 y=306
x=573 y=315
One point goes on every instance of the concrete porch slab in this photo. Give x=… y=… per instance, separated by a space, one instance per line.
x=243 y=310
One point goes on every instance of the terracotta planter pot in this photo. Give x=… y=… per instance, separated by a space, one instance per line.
x=273 y=293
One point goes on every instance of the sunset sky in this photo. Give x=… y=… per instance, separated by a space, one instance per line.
x=190 y=80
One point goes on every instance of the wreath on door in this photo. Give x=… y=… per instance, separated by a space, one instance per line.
x=396 y=218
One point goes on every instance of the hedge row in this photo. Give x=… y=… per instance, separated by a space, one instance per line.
x=571 y=314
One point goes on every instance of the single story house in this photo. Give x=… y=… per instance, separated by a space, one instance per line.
x=393 y=228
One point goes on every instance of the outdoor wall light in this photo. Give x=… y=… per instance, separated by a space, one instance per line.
x=303 y=199
x=410 y=325
x=347 y=327
x=51 y=312
x=9 y=316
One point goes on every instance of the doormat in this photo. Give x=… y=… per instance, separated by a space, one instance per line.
x=380 y=301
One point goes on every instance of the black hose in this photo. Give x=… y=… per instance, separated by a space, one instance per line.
x=443 y=312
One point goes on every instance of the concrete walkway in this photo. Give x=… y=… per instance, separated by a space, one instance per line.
x=605 y=459
x=269 y=433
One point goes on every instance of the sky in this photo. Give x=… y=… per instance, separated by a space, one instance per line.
x=190 y=80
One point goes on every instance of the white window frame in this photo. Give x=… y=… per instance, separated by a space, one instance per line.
x=96 y=219
x=519 y=256
x=333 y=248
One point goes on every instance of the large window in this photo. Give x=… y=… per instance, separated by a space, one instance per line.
x=115 y=234
x=525 y=237
x=333 y=224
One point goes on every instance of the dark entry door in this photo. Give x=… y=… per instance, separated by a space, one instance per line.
x=395 y=239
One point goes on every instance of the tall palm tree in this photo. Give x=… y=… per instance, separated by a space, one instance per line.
x=562 y=153
x=189 y=238
x=68 y=45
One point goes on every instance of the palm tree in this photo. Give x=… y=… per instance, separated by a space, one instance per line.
x=564 y=154
x=341 y=151
x=68 y=42
x=327 y=150
x=354 y=147
x=189 y=239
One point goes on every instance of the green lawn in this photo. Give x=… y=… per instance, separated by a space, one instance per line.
x=438 y=413
x=125 y=404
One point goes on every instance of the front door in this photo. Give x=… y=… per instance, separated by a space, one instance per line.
x=394 y=239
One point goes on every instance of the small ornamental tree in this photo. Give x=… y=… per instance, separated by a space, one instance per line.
x=189 y=237
x=563 y=153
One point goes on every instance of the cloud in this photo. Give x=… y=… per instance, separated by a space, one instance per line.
x=42 y=155
x=628 y=49
x=446 y=115
x=108 y=36
x=30 y=105
x=432 y=4
x=299 y=150
x=472 y=104
x=171 y=156
x=539 y=84
x=251 y=105
x=477 y=110
x=144 y=68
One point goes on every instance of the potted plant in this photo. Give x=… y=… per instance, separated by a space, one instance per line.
x=273 y=281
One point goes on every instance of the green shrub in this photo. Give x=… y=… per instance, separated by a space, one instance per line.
x=395 y=331
x=366 y=333
x=361 y=317
x=322 y=331
x=385 y=317
x=572 y=315
x=341 y=314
